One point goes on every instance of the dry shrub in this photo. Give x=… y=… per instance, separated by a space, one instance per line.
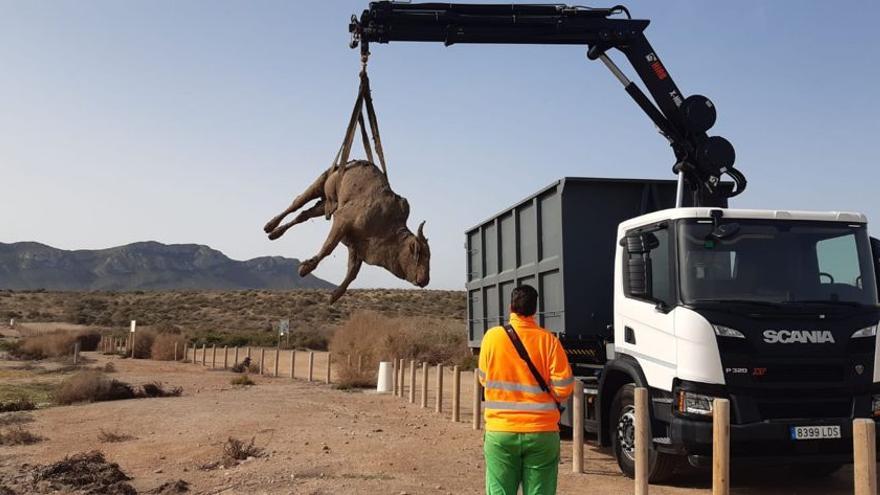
x=163 y=346
x=242 y=381
x=246 y=366
x=92 y=386
x=88 y=472
x=235 y=450
x=19 y=436
x=143 y=343
x=112 y=437
x=55 y=344
x=156 y=389
x=375 y=337
x=20 y=404
x=15 y=418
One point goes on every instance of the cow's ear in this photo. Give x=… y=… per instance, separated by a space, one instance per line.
x=414 y=248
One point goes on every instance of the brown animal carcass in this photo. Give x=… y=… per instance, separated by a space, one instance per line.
x=368 y=218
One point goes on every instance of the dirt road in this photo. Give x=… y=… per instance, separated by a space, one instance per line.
x=319 y=441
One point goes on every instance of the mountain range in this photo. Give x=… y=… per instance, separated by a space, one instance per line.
x=145 y=266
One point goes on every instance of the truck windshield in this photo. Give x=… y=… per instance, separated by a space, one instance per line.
x=767 y=261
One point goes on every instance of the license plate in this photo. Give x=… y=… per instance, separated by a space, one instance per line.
x=814 y=432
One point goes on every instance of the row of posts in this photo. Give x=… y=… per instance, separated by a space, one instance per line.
x=261 y=362
x=398 y=385
x=115 y=345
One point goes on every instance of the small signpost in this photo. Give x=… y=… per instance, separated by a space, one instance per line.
x=284 y=330
x=133 y=328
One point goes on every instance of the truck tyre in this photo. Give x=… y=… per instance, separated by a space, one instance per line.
x=661 y=466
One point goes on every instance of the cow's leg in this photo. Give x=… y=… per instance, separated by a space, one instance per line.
x=313 y=212
x=333 y=238
x=354 y=266
x=313 y=192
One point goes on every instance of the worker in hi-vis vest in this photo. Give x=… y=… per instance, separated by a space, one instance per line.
x=525 y=374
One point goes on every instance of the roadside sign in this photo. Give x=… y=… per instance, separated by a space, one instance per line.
x=283 y=327
x=133 y=325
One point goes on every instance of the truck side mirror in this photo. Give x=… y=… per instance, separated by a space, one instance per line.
x=637 y=281
x=638 y=273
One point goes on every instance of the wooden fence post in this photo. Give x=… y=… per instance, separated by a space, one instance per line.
x=213 y=356
x=642 y=439
x=456 y=394
x=76 y=352
x=235 y=359
x=864 y=457
x=394 y=377
x=360 y=363
x=185 y=351
x=248 y=351
x=412 y=381
x=311 y=365
x=292 y=363
x=402 y=379
x=262 y=359
x=577 y=428
x=438 y=407
x=277 y=358
x=425 y=385
x=478 y=401
x=721 y=447
x=205 y=354
x=175 y=351
x=226 y=357
x=329 y=360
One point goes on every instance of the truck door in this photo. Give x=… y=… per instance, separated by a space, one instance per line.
x=644 y=325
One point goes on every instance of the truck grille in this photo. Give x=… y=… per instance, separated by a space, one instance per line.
x=805 y=409
x=802 y=373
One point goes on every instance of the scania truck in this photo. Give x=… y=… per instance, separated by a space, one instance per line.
x=659 y=284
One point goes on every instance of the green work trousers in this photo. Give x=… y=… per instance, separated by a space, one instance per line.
x=530 y=459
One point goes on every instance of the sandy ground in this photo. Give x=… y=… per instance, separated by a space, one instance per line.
x=319 y=440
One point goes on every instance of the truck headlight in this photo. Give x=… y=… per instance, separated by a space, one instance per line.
x=695 y=404
x=865 y=332
x=724 y=331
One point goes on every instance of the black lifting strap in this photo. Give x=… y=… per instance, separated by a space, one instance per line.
x=524 y=354
x=364 y=99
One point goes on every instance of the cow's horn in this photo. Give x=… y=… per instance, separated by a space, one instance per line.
x=420 y=234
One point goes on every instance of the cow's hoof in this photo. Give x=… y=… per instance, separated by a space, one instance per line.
x=272 y=225
x=336 y=295
x=306 y=267
x=275 y=234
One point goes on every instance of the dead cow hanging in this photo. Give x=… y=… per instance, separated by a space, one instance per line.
x=368 y=217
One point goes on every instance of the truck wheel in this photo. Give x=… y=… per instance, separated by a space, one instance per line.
x=660 y=466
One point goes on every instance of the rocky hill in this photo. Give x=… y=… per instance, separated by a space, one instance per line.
x=144 y=266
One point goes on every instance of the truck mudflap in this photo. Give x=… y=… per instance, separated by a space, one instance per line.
x=766 y=442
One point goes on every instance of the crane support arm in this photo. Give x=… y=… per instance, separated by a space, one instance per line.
x=700 y=159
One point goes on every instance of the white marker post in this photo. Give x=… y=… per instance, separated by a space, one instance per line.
x=133 y=328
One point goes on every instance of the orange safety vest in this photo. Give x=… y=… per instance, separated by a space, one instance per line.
x=514 y=400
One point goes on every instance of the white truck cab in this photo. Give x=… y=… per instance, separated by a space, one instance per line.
x=775 y=310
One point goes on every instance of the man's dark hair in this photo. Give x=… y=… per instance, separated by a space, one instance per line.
x=524 y=300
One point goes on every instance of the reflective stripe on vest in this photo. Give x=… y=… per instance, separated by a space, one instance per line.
x=512 y=387
x=562 y=383
x=521 y=406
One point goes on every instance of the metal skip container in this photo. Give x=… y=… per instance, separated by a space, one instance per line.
x=561 y=240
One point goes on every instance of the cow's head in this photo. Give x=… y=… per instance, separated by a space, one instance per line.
x=415 y=258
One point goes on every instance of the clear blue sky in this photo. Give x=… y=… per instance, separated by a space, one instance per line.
x=197 y=121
